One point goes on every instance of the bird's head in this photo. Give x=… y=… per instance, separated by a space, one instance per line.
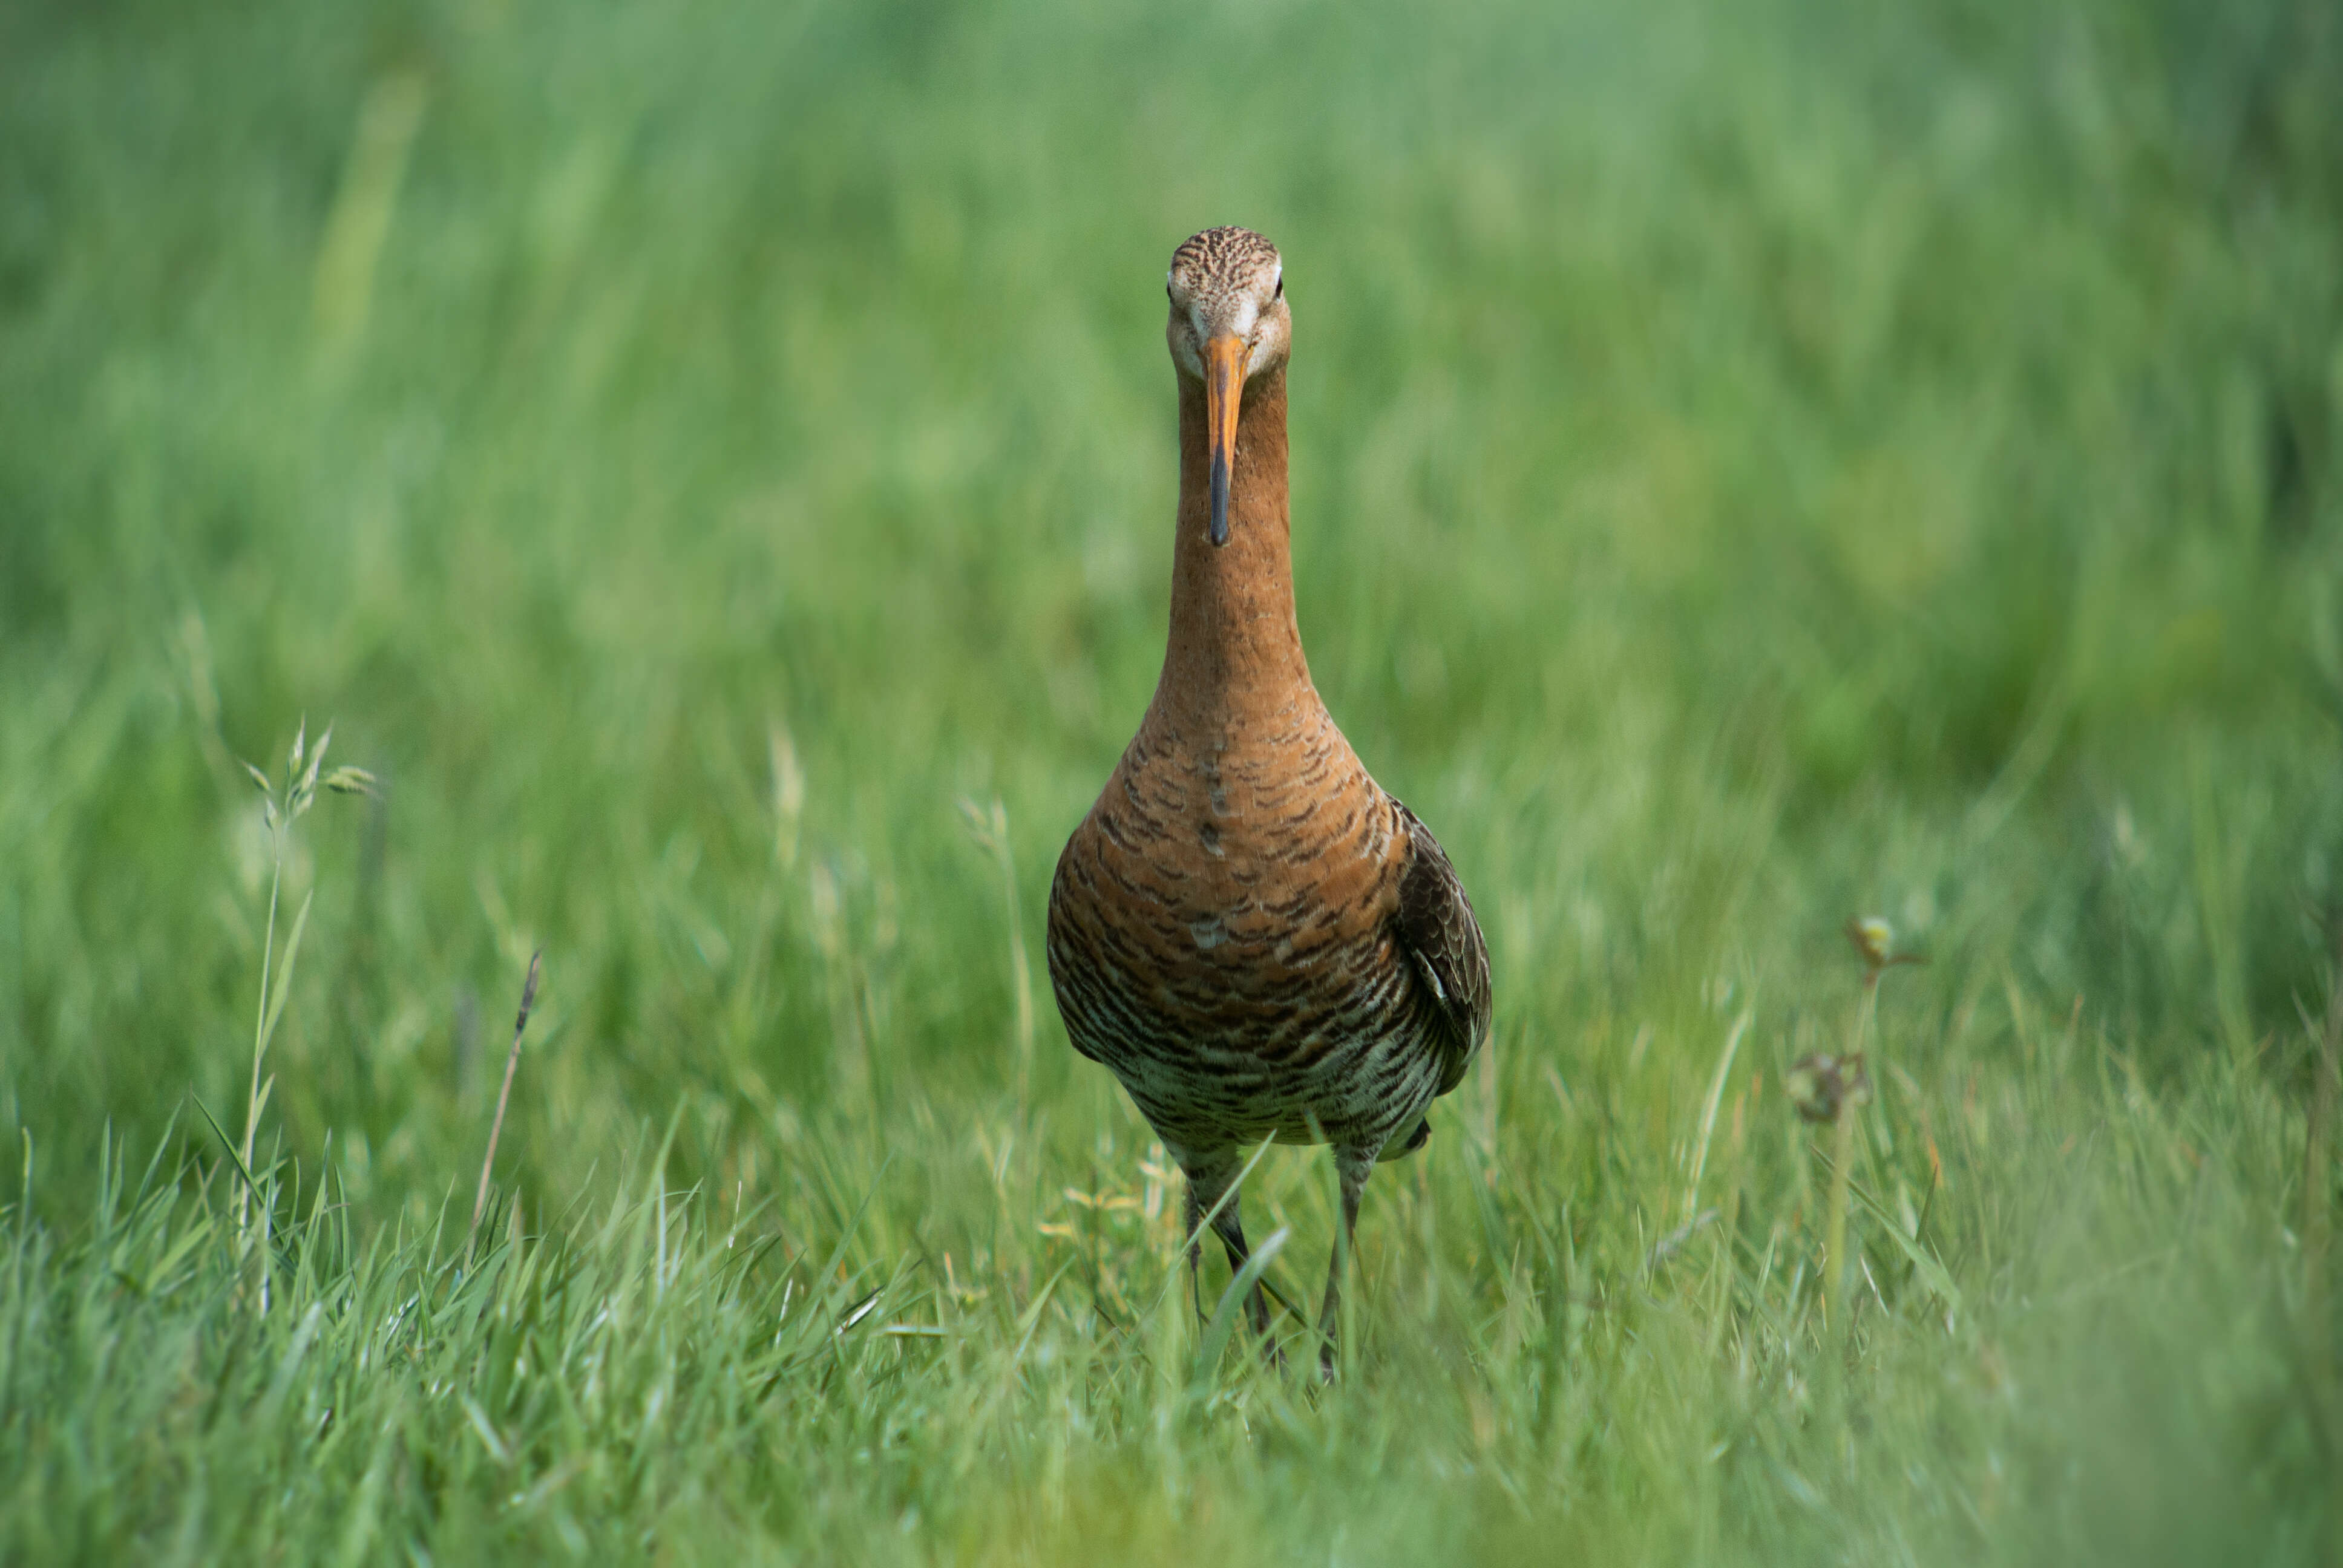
x=1229 y=323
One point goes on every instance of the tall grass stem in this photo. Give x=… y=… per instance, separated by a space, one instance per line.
x=2319 y=1179
x=1842 y=1162
x=504 y=1097
x=260 y=1016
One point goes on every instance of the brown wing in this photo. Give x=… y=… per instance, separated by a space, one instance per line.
x=1437 y=928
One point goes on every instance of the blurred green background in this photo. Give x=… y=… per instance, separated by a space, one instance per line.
x=1751 y=464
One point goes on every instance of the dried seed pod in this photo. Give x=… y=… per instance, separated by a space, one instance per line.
x=1873 y=938
x=1821 y=1084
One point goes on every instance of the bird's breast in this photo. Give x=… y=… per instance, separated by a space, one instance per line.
x=1234 y=870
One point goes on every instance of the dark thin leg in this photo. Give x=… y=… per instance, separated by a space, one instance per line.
x=1232 y=1233
x=1206 y=1182
x=1191 y=1219
x=1352 y=1166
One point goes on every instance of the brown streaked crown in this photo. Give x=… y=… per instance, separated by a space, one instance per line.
x=1219 y=264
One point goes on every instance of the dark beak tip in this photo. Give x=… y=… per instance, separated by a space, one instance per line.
x=1219 y=529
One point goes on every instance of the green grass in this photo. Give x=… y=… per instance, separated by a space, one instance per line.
x=1751 y=468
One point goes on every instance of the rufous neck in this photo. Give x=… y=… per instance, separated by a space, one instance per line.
x=1234 y=640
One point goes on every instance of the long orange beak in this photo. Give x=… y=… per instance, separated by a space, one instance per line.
x=1224 y=372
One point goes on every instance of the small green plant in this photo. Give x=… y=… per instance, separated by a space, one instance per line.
x=1826 y=1089
x=281 y=807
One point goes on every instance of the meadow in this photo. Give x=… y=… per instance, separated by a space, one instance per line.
x=711 y=466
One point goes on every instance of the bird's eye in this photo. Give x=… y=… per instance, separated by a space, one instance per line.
x=1279 y=292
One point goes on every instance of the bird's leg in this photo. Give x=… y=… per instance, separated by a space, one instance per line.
x=1352 y=1166
x=1207 y=1184
x=1191 y=1222
x=1209 y=1176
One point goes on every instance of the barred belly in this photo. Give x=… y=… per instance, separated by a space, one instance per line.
x=1215 y=1057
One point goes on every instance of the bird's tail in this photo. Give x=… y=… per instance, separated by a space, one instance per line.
x=1400 y=1149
